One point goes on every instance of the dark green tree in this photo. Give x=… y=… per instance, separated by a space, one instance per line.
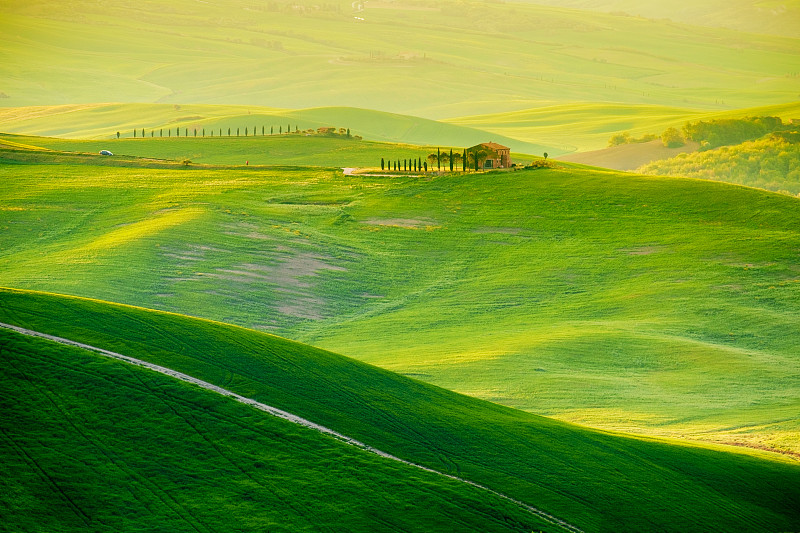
x=237 y=132
x=195 y=132
x=348 y=132
x=451 y=159
x=204 y=132
x=142 y=133
x=439 y=159
x=161 y=132
x=382 y=163
x=229 y=132
x=464 y=161
x=272 y=130
x=262 y=131
x=245 y=131
x=117 y=135
x=545 y=154
x=134 y=133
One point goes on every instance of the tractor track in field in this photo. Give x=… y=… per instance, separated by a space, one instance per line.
x=274 y=411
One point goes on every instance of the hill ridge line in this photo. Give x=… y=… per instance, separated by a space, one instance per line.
x=279 y=413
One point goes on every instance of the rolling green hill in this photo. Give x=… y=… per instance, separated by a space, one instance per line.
x=103 y=121
x=96 y=445
x=658 y=305
x=431 y=59
x=211 y=459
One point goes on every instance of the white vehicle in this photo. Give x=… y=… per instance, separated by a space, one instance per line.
x=105 y=152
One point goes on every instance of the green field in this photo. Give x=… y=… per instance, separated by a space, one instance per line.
x=429 y=59
x=657 y=305
x=91 y=444
x=295 y=150
x=215 y=457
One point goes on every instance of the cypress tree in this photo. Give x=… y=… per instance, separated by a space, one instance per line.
x=464 y=161
x=134 y=133
x=245 y=131
x=272 y=130
x=169 y=132
x=439 y=159
x=426 y=165
x=382 y=163
x=262 y=131
x=177 y=132
x=195 y=132
x=280 y=130
x=451 y=159
x=186 y=133
x=229 y=132
x=152 y=134
x=237 y=132
x=204 y=132
x=117 y=135
x=161 y=132
x=142 y=133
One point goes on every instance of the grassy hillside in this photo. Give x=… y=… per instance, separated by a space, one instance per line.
x=93 y=444
x=431 y=59
x=598 y=481
x=588 y=126
x=103 y=121
x=277 y=150
x=658 y=305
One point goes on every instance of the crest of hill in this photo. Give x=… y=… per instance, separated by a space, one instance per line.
x=100 y=121
x=595 y=480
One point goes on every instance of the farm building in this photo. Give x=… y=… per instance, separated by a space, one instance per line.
x=499 y=156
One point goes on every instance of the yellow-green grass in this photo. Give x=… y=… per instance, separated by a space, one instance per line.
x=659 y=305
x=91 y=444
x=323 y=151
x=595 y=480
x=451 y=59
x=103 y=121
x=588 y=126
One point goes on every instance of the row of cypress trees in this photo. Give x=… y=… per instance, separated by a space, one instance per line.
x=417 y=165
x=202 y=132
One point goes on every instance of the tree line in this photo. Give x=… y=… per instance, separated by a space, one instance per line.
x=237 y=132
x=474 y=157
x=710 y=134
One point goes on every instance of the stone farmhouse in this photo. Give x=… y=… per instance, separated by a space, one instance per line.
x=499 y=156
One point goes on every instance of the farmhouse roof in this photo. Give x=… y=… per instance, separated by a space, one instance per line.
x=494 y=146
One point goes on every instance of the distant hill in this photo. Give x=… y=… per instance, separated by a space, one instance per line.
x=102 y=121
x=117 y=447
x=424 y=58
x=780 y=17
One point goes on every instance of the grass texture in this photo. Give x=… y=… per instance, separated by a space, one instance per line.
x=596 y=480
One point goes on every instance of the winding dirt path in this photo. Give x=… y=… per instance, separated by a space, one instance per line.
x=288 y=416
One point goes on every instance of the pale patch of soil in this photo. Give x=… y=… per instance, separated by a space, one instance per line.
x=629 y=156
x=292 y=275
x=410 y=223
